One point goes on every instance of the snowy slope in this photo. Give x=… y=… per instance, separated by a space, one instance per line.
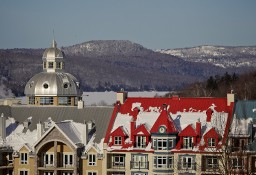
x=217 y=55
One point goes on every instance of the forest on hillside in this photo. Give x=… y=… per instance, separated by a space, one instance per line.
x=243 y=86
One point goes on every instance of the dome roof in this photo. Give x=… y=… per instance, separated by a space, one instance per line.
x=53 y=84
x=53 y=52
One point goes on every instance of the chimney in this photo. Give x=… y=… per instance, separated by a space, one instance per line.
x=230 y=98
x=3 y=126
x=84 y=133
x=39 y=129
x=80 y=104
x=121 y=96
x=198 y=127
x=135 y=113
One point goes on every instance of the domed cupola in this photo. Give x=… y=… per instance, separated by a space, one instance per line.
x=53 y=59
x=53 y=86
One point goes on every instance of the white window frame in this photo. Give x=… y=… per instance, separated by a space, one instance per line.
x=188 y=142
x=23 y=172
x=49 y=173
x=92 y=159
x=47 y=159
x=23 y=158
x=117 y=140
x=70 y=159
x=212 y=162
x=141 y=141
x=211 y=142
x=66 y=173
x=91 y=173
x=140 y=161
x=118 y=160
x=163 y=162
x=186 y=164
x=160 y=144
x=236 y=163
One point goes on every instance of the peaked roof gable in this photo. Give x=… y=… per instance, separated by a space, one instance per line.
x=60 y=130
x=164 y=120
x=118 y=132
x=141 y=130
x=211 y=133
x=188 y=131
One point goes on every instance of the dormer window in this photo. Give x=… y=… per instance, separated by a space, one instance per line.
x=187 y=143
x=140 y=142
x=211 y=142
x=50 y=65
x=117 y=140
x=58 y=65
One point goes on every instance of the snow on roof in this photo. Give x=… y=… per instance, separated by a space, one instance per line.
x=15 y=137
x=71 y=131
x=182 y=117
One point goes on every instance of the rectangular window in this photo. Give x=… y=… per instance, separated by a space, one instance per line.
x=10 y=158
x=163 y=161
x=161 y=144
x=46 y=101
x=67 y=173
x=171 y=143
x=48 y=173
x=58 y=65
x=64 y=100
x=211 y=142
x=67 y=159
x=92 y=173
x=23 y=172
x=50 y=65
x=31 y=100
x=187 y=143
x=118 y=140
x=44 y=65
x=24 y=158
x=92 y=159
x=139 y=161
x=48 y=159
x=237 y=163
x=140 y=141
x=118 y=160
x=212 y=162
x=187 y=162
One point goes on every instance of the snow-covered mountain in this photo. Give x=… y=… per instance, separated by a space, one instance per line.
x=226 y=57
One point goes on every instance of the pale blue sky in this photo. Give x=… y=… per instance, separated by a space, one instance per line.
x=152 y=23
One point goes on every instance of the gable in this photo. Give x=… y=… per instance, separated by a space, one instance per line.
x=141 y=130
x=188 y=131
x=54 y=135
x=212 y=133
x=164 y=120
x=118 y=132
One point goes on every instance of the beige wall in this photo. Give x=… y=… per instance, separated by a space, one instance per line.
x=91 y=168
x=18 y=166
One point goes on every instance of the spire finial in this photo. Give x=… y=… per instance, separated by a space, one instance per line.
x=54 y=44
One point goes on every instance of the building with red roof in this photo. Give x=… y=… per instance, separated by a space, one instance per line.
x=166 y=135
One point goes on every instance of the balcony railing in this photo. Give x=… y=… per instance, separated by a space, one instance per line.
x=116 y=165
x=186 y=166
x=47 y=164
x=211 y=168
x=139 y=165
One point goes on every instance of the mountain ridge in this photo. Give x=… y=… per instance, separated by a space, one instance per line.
x=111 y=65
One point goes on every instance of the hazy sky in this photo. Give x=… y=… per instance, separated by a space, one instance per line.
x=152 y=23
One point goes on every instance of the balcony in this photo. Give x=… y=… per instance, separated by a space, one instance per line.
x=139 y=165
x=186 y=166
x=116 y=165
x=211 y=168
